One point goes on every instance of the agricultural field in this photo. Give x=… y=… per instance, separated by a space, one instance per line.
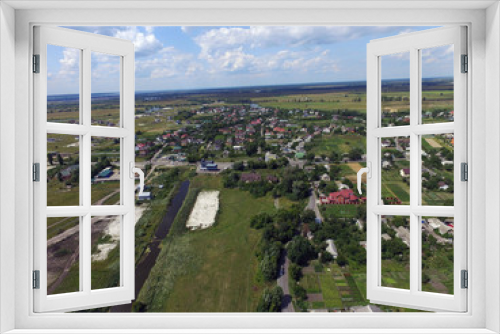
x=339 y=211
x=320 y=102
x=393 y=184
x=327 y=144
x=330 y=287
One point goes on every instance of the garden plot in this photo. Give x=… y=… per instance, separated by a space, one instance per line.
x=204 y=211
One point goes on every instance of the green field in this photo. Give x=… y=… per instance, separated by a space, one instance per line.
x=395 y=274
x=218 y=268
x=58 y=195
x=331 y=294
x=337 y=143
x=339 y=211
x=321 y=102
x=310 y=282
x=393 y=185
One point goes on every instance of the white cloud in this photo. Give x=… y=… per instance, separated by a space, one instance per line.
x=441 y=54
x=70 y=63
x=144 y=39
x=145 y=42
x=171 y=63
x=188 y=29
x=214 y=40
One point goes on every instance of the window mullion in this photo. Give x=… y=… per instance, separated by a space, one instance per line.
x=415 y=231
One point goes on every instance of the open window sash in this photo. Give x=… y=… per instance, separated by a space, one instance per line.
x=414 y=44
x=83 y=295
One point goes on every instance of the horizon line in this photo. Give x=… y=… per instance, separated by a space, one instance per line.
x=248 y=87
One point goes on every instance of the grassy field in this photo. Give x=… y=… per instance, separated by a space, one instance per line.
x=57 y=195
x=395 y=274
x=339 y=211
x=337 y=143
x=393 y=185
x=336 y=286
x=321 y=102
x=218 y=268
x=330 y=292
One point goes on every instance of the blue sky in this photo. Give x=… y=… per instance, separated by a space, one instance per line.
x=169 y=58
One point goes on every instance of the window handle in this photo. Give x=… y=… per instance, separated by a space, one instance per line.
x=139 y=171
x=368 y=172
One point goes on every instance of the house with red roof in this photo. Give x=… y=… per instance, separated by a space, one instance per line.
x=344 y=196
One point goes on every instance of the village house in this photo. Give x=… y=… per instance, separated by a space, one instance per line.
x=250 y=177
x=344 y=196
x=405 y=172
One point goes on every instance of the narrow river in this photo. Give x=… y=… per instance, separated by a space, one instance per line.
x=144 y=268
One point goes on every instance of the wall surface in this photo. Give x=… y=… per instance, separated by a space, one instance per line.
x=492 y=165
x=7 y=177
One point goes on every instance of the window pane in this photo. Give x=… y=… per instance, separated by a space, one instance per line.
x=106 y=233
x=395 y=74
x=63 y=84
x=63 y=170
x=395 y=170
x=105 y=171
x=395 y=251
x=105 y=89
x=63 y=245
x=437 y=169
x=437 y=84
x=437 y=254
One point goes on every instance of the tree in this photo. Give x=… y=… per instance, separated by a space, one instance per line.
x=239 y=165
x=299 y=292
x=269 y=267
x=300 y=190
x=355 y=153
x=230 y=180
x=193 y=157
x=60 y=159
x=334 y=156
x=341 y=260
x=308 y=216
x=261 y=220
x=251 y=148
x=326 y=257
x=300 y=250
x=50 y=159
x=295 y=272
x=270 y=301
x=362 y=212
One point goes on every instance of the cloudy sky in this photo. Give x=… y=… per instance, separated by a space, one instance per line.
x=169 y=58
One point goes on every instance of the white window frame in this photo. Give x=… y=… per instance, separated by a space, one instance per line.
x=86 y=43
x=484 y=49
x=413 y=44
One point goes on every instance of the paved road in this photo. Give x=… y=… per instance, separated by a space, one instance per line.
x=286 y=304
x=311 y=205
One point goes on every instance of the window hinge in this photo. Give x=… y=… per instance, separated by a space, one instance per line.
x=465 y=279
x=36 y=172
x=464 y=172
x=465 y=64
x=36 y=279
x=36 y=63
